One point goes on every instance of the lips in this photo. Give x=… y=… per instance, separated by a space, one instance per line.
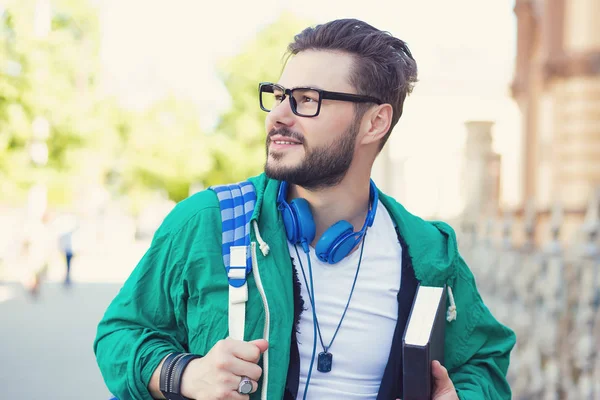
x=278 y=139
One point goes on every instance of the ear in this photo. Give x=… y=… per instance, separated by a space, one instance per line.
x=378 y=121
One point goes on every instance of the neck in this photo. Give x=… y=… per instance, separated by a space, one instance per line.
x=348 y=200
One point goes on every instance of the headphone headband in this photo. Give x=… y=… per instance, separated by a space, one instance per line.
x=281 y=194
x=337 y=241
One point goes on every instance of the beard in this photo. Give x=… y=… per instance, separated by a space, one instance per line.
x=321 y=167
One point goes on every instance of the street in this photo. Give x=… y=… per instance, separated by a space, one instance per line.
x=46 y=343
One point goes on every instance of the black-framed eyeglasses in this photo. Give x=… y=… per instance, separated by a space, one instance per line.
x=304 y=101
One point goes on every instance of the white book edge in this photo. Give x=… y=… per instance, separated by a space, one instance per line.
x=427 y=301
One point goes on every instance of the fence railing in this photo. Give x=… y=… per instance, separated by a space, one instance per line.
x=549 y=294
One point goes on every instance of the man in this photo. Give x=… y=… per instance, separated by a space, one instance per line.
x=65 y=243
x=339 y=260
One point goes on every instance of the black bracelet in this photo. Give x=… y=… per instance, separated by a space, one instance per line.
x=171 y=372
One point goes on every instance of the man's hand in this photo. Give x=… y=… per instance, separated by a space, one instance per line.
x=218 y=374
x=443 y=388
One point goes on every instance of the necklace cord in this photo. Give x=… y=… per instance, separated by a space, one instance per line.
x=312 y=296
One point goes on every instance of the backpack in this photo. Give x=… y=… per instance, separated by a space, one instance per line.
x=236 y=202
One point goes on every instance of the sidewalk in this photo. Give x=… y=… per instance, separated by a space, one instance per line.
x=46 y=345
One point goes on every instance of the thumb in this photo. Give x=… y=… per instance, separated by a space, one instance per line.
x=438 y=371
x=442 y=383
x=262 y=344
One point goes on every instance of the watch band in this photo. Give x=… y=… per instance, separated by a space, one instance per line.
x=171 y=373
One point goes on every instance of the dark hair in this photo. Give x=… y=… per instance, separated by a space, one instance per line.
x=384 y=67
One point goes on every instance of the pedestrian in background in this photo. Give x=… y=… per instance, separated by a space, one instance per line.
x=65 y=244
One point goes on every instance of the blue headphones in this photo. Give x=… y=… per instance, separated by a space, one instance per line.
x=337 y=241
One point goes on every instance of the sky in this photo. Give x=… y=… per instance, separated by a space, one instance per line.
x=464 y=50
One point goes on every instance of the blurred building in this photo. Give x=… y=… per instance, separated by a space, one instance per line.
x=557 y=87
x=539 y=270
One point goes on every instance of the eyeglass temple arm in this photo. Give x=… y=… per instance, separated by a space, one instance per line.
x=350 y=97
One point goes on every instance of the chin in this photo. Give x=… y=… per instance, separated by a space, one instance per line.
x=277 y=169
x=278 y=165
x=282 y=161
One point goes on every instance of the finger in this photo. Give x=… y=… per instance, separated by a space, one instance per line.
x=442 y=382
x=245 y=368
x=254 y=386
x=231 y=368
x=262 y=344
x=246 y=351
x=228 y=394
x=438 y=371
x=238 y=396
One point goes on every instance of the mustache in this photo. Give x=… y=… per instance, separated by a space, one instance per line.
x=285 y=132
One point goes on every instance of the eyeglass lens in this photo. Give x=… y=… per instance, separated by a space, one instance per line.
x=304 y=101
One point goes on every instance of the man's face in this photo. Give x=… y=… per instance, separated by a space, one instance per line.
x=313 y=152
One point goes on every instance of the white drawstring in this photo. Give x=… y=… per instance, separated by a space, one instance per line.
x=451 y=314
x=264 y=247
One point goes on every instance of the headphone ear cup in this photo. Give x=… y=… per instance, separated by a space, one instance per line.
x=332 y=238
x=290 y=223
x=306 y=227
x=342 y=248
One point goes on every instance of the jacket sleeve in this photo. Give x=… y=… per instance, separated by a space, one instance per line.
x=142 y=324
x=485 y=344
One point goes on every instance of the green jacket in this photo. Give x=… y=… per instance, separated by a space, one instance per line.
x=176 y=300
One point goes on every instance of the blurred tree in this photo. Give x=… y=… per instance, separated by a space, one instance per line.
x=165 y=150
x=239 y=143
x=49 y=69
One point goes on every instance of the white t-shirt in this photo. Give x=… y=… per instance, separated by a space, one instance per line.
x=362 y=346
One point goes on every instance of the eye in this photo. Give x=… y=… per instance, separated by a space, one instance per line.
x=306 y=99
x=278 y=97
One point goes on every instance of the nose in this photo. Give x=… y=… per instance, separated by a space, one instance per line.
x=281 y=115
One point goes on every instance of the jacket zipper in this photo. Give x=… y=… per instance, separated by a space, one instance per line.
x=256 y=274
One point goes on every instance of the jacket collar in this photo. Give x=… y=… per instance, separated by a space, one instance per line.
x=433 y=246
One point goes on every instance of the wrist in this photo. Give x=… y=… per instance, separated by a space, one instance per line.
x=189 y=378
x=171 y=374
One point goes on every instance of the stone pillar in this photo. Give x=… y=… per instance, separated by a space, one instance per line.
x=524 y=89
x=577 y=141
x=481 y=172
x=526 y=27
x=577 y=96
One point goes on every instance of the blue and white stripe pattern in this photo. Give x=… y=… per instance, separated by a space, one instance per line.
x=237 y=203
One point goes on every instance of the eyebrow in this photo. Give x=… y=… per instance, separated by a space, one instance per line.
x=302 y=87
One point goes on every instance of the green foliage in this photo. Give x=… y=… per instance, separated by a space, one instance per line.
x=239 y=146
x=166 y=150
x=50 y=74
x=94 y=141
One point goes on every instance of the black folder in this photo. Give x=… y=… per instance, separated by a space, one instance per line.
x=423 y=341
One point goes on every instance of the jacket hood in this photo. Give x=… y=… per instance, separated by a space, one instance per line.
x=432 y=245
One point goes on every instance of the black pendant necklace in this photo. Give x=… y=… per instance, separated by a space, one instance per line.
x=325 y=360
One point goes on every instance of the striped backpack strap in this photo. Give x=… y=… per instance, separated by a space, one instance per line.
x=237 y=203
